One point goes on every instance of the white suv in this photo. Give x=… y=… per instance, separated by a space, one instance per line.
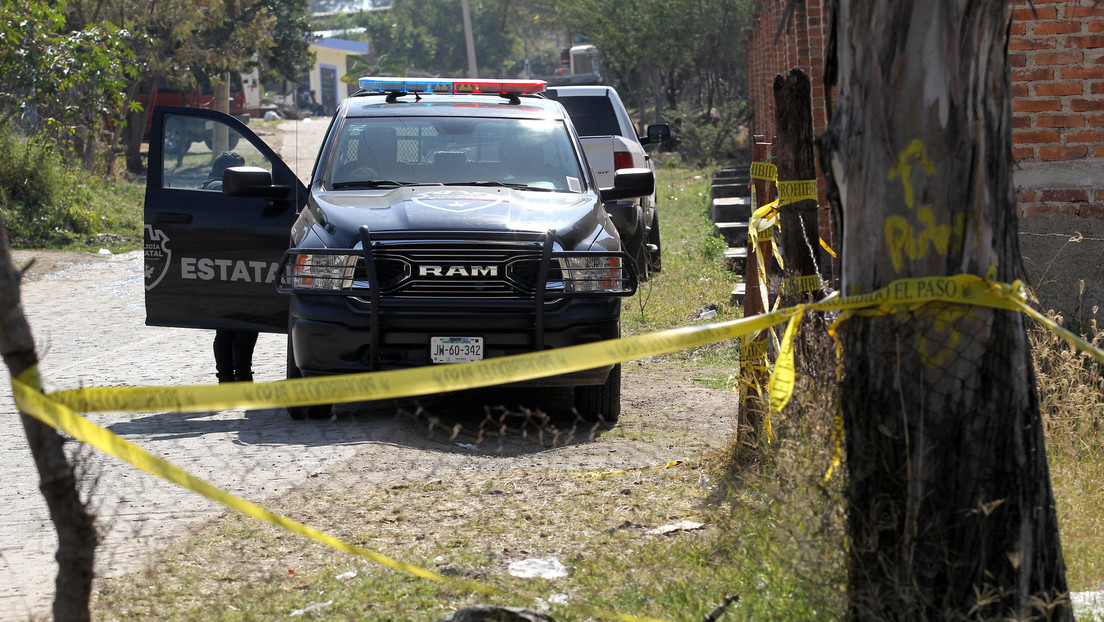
x=610 y=144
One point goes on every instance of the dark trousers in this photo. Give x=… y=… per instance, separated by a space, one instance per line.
x=234 y=355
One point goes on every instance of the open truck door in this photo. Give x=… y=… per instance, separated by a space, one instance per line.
x=211 y=257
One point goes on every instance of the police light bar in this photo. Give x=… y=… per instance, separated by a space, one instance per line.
x=452 y=85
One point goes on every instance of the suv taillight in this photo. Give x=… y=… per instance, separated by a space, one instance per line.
x=622 y=159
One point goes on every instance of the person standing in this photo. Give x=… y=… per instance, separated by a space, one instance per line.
x=233 y=348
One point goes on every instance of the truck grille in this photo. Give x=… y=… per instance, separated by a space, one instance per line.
x=457 y=270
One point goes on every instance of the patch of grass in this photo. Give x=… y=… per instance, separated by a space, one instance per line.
x=1071 y=399
x=693 y=273
x=49 y=204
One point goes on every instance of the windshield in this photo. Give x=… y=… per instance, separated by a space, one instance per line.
x=388 y=151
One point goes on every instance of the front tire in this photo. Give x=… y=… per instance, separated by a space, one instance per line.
x=600 y=403
x=314 y=411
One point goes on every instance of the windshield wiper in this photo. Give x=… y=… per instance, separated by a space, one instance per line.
x=376 y=183
x=501 y=184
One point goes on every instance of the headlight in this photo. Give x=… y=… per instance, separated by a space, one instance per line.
x=320 y=271
x=594 y=273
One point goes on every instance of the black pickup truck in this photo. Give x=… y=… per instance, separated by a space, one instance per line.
x=446 y=221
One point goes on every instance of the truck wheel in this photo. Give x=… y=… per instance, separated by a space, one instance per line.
x=317 y=411
x=655 y=258
x=637 y=248
x=600 y=402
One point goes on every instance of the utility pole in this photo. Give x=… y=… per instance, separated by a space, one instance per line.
x=473 y=71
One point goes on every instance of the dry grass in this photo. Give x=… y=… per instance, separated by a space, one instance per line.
x=1071 y=399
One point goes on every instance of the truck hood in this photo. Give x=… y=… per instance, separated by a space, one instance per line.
x=574 y=219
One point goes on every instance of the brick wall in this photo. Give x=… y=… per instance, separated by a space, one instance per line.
x=800 y=45
x=1056 y=52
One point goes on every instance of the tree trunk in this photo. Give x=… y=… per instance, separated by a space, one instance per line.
x=798 y=220
x=951 y=510
x=75 y=528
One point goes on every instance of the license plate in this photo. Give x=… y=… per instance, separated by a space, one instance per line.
x=455 y=349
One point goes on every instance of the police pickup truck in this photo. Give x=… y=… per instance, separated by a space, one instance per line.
x=446 y=221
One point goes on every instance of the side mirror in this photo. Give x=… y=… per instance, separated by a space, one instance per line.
x=629 y=183
x=251 y=181
x=658 y=133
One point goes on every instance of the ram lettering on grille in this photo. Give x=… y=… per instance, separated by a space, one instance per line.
x=457 y=271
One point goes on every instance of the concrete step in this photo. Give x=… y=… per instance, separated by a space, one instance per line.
x=734 y=233
x=733 y=172
x=735 y=259
x=731 y=209
x=738 y=189
x=739 y=291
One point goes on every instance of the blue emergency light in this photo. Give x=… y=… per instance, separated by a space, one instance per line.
x=452 y=85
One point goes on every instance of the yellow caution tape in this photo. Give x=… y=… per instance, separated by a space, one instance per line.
x=825 y=246
x=61 y=417
x=764 y=170
x=790 y=192
x=405 y=382
x=805 y=283
x=57 y=409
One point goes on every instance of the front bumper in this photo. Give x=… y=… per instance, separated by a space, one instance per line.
x=333 y=335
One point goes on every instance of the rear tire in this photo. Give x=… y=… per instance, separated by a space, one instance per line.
x=602 y=402
x=315 y=411
x=655 y=257
x=637 y=249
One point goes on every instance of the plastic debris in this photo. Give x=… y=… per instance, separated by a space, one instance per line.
x=345 y=576
x=708 y=311
x=538 y=568
x=104 y=251
x=467 y=446
x=682 y=525
x=312 y=608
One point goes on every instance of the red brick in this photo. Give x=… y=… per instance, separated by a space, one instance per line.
x=1097 y=89
x=1086 y=42
x=1017 y=60
x=1062 y=153
x=1056 y=28
x=1025 y=196
x=1082 y=73
x=1090 y=210
x=1058 y=89
x=1086 y=105
x=1018 y=29
x=1095 y=26
x=1032 y=75
x=1027 y=15
x=1084 y=11
x=1098 y=151
x=1023 y=153
x=1059 y=120
x=1021 y=121
x=1098 y=195
x=1087 y=136
x=1032 y=43
x=1068 y=195
x=1035 y=137
x=1045 y=208
x=1096 y=120
x=1035 y=105
x=1070 y=57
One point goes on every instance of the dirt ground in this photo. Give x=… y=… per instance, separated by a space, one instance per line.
x=87 y=314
